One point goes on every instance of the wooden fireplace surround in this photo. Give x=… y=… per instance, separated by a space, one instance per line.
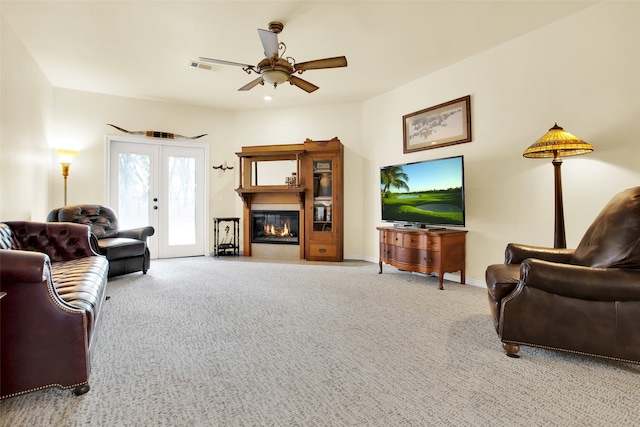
x=300 y=193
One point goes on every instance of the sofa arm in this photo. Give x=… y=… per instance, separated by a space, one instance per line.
x=23 y=266
x=137 y=233
x=515 y=253
x=61 y=241
x=586 y=283
x=44 y=340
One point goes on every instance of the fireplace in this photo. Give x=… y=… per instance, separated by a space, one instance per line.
x=281 y=227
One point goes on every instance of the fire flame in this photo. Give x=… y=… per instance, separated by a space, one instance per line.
x=272 y=230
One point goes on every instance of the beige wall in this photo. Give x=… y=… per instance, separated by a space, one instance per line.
x=25 y=126
x=580 y=71
x=80 y=120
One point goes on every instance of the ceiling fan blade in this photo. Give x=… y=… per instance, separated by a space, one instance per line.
x=303 y=84
x=220 y=61
x=269 y=41
x=338 y=61
x=252 y=84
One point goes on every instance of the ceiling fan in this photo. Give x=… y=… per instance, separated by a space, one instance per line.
x=276 y=69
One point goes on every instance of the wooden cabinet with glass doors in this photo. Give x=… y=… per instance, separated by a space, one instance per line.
x=323 y=171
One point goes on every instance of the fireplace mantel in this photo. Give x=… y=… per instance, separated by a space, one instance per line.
x=312 y=162
x=247 y=194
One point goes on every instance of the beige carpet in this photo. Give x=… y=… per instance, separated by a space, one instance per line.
x=236 y=342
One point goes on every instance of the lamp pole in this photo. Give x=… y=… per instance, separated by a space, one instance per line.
x=65 y=174
x=559 y=236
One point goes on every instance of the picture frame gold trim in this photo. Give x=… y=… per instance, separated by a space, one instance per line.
x=444 y=124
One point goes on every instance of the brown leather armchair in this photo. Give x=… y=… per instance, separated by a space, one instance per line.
x=126 y=250
x=584 y=301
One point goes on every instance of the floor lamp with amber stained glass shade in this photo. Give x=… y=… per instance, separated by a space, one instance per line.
x=556 y=143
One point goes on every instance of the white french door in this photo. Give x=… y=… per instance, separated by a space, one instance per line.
x=162 y=184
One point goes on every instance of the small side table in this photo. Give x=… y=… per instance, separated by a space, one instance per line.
x=229 y=243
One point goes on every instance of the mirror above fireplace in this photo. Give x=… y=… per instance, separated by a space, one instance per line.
x=272 y=172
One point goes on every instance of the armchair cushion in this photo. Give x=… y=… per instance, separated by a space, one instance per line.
x=121 y=247
x=613 y=240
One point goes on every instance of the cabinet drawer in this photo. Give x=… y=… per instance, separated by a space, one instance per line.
x=418 y=258
x=391 y=238
x=320 y=250
x=432 y=259
x=407 y=256
x=414 y=241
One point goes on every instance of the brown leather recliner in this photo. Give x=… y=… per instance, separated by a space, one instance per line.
x=126 y=250
x=585 y=300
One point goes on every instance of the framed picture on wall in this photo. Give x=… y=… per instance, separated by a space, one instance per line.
x=438 y=126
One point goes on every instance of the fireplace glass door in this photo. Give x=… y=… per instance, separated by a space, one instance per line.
x=275 y=227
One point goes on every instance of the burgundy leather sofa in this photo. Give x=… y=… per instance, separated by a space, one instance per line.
x=126 y=250
x=584 y=301
x=55 y=288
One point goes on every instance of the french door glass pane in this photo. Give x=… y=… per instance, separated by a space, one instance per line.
x=182 y=201
x=133 y=194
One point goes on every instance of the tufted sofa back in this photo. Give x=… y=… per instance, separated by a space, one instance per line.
x=102 y=220
x=61 y=242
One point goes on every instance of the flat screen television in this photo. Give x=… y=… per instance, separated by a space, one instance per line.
x=428 y=194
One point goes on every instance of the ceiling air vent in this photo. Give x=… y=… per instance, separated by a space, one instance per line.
x=203 y=66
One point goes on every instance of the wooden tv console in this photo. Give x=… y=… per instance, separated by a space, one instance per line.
x=423 y=250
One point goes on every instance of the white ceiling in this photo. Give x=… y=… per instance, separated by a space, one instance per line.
x=142 y=48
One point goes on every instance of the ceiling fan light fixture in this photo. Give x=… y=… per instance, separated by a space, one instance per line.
x=275 y=77
x=276 y=69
